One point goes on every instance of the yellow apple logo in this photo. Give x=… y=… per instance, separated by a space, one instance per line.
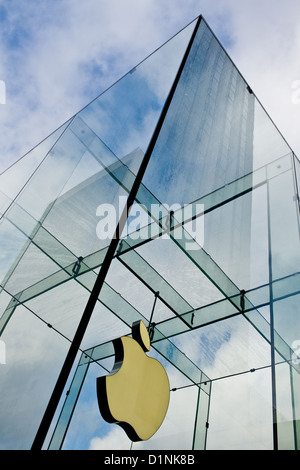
x=136 y=394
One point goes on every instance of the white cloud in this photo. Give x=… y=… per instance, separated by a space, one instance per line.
x=116 y=439
x=57 y=60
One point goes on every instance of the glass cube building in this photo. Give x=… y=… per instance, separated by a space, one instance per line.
x=171 y=198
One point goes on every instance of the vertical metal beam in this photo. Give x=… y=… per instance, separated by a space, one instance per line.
x=292 y=384
x=272 y=327
x=75 y=345
x=293 y=399
x=66 y=414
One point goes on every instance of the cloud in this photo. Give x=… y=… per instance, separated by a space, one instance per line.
x=265 y=47
x=56 y=57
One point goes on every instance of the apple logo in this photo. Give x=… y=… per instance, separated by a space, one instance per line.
x=136 y=394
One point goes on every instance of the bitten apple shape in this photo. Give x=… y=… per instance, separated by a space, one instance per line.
x=136 y=394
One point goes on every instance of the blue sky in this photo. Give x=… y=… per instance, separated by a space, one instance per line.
x=56 y=56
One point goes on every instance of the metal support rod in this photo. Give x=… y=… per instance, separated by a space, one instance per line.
x=153 y=308
x=75 y=345
x=151 y=325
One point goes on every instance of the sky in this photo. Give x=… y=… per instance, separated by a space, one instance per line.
x=56 y=56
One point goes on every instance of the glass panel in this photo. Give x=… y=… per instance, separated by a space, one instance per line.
x=170 y=262
x=244 y=419
x=208 y=130
x=7 y=308
x=12 y=243
x=200 y=433
x=297 y=166
x=286 y=319
x=284 y=226
x=285 y=417
x=63 y=306
x=14 y=178
x=224 y=348
x=212 y=309
x=33 y=361
x=177 y=429
x=286 y=323
x=144 y=302
x=153 y=279
x=268 y=143
x=69 y=405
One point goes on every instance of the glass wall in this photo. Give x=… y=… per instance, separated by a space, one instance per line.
x=208 y=259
